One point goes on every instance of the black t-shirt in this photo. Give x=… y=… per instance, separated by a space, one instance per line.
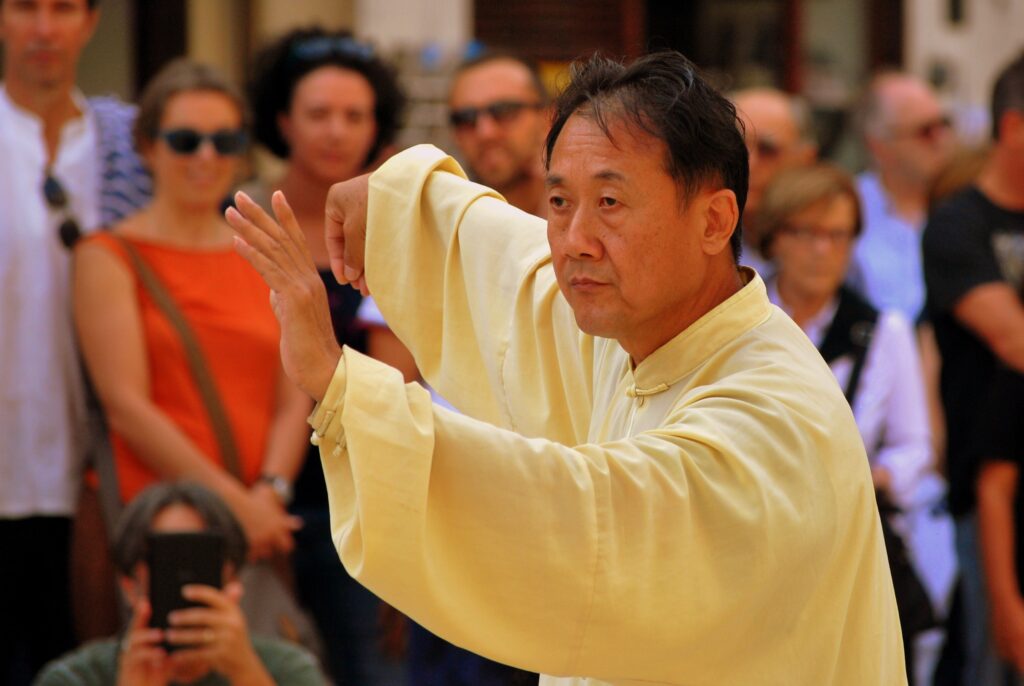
x=1001 y=437
x=967 y=242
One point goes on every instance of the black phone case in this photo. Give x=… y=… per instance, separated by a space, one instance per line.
x=176 y=560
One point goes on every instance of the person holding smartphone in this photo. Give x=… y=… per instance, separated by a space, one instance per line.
x=208 y=643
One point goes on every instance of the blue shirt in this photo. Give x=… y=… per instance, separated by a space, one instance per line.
x=886 y=265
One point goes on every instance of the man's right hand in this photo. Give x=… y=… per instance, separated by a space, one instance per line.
x=143 y=660
x=278 y=251
x=345 y=230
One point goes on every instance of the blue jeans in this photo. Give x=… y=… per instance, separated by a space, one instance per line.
x=982 y=666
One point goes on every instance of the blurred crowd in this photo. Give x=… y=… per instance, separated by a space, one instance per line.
x=141 y=387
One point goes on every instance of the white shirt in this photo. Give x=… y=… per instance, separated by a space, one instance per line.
x=41 y=398
x=889 y=406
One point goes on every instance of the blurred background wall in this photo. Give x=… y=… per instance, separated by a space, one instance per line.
x=823 y=49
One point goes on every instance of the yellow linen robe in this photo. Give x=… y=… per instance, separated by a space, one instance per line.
x=705 y=518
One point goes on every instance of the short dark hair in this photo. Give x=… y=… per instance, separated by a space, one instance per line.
x=181 y=76
x=489 y=56
x=664 y=95
x=280 y=66
x=1008 y=92
x=134 y=524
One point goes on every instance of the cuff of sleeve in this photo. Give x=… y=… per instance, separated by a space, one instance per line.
x=326 y=417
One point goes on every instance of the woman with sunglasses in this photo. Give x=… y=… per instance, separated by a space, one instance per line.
x=191 y=133
x=810 y=217
x=330 y=108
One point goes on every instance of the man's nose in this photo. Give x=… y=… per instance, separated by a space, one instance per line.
x=487 y=126
x=44 y=23
x=581 y=242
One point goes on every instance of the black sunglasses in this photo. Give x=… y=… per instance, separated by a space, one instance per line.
x=187 y=141
x=501 y=111
x=929 y=130
x=57 y=199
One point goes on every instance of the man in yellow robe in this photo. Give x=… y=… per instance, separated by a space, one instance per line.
x=659 y=481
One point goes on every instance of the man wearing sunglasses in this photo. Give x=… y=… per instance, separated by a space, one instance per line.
x=779 y=136
x=909 y=139
x=499 y=116
x=67 y=166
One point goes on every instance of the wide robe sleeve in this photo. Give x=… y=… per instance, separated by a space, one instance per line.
x=465 y=281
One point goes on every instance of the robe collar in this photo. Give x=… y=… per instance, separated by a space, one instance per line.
x=681 y=355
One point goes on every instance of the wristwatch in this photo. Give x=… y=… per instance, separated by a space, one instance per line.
x=281 y=487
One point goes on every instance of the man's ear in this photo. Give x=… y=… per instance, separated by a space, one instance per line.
x=721 y=213
x=93 y=20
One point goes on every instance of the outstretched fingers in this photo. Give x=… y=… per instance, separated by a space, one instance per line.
x=265 y=244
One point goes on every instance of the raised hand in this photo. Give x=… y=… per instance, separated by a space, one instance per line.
x=278 y=251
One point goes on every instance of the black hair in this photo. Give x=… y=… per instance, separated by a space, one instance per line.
x=1008 y=92
x=501 y=56
x=280 y=66
x=664 y=95
x=134 y=524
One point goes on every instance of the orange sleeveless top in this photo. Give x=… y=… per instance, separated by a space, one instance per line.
x=227 y=305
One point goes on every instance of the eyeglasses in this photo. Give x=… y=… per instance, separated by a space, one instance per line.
x=57 y=199
x=808 y=236
x=927 y=131
x=187 y=141
x=319 y=47
x=501 y=112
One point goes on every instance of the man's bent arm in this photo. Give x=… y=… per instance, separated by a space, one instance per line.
x=465 y=281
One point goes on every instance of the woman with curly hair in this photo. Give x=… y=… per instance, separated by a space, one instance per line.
x=329 y=107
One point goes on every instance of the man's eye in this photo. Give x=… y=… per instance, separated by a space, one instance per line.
x=557 y=201
x=609 y=202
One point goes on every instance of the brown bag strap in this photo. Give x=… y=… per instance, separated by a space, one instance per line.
x=196 y=362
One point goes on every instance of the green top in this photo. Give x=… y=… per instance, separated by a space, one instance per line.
x=95 y=664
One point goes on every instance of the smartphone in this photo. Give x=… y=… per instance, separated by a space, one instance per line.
x=176 y=560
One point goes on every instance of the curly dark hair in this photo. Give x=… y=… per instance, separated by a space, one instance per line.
x=664 y=95
x=281 y=65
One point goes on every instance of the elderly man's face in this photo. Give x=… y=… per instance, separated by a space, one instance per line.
x=916 y=138
x=628 y=254
x=504 y=142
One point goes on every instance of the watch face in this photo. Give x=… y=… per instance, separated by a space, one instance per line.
x=282 y=489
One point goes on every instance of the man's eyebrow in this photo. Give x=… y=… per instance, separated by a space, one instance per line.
x=605 y=175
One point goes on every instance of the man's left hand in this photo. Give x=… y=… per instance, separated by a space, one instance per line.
x=278 y=251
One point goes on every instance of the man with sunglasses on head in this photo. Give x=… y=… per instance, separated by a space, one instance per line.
x=499 y=115
x=909 y=139
x=779 y=136
x=67 y=166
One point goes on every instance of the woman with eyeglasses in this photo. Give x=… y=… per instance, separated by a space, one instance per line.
x=810 y=217
x=330 y=108
x=191 y=133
